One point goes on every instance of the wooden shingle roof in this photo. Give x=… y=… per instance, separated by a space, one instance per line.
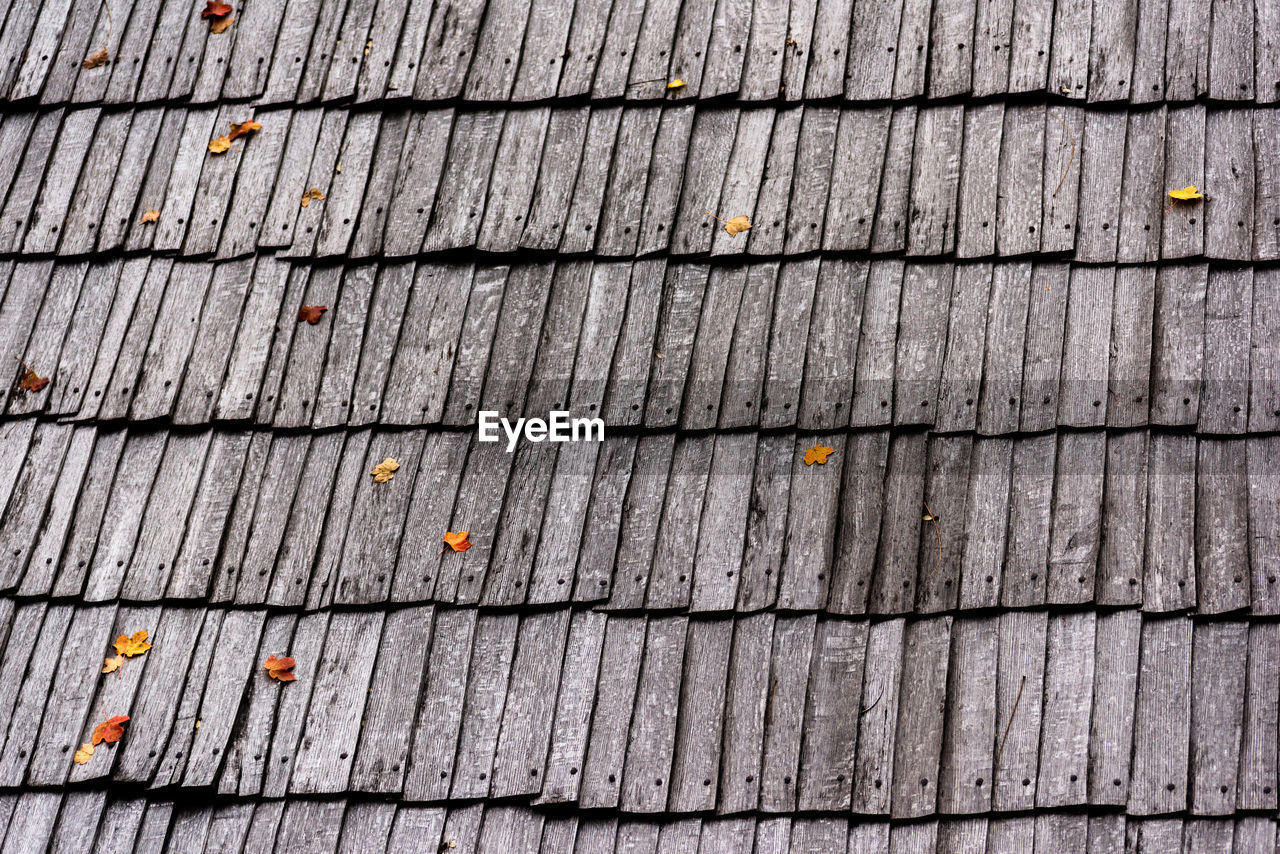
x=1029 y=605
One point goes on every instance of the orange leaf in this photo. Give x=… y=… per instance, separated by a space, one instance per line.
x=99 y=58
x=110 y=730
x=221 y=25
x=31 y=381
x=385 y=470
x=215 y=9
x=734 y=226
x=112 y=664
x=131 y=646
x=280 y=668
x=244 y=129
x=817 y=454
x=219 y=145
x=458 y=542
x=84 y=754
x=311 y=313
x=311 y=195
x=150 y=216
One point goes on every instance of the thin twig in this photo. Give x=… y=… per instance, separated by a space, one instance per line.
x=1070 y=158
x=996 y=770
x=938 y=531
x=713 y=216
x=862 y=712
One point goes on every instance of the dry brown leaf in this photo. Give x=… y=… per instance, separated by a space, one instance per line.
x=110 y=730
x=311 y=195
x=216 y=9
x=112 y=664
x=84 y=754
x=458 y=542
x=818 y=454
x=243 y=129
x=385 y=470
x=131 y=646
x=99 y=58
x=150 y=216
x=734 y=226
x=31 y=381
x=280 y=668
x=220 y=144
x=221 y=25
x=311 y=313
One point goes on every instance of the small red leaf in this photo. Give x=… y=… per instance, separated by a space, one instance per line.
x=311 y=313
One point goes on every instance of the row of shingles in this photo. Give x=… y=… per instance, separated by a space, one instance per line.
x=1139 y=51
x=1018 y=711
x=702 y=523
x=76 y=821
x=814 y=343
x=408 y=182
x=919 y=181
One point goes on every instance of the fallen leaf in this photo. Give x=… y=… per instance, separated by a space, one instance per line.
x=150 y=216
x=385 y=470
x=31 y=381
x=112 y=664
x=1187 y=193
x=338 y=168
x=110 y=730
x=676 y=84
x=99 y=58
x=280 y=668
x=458 y=542
x=734 y=226
x=219 y=145
x=84 y=754
x=131 y=646
x=311 y=195
x=215 y=9
x=311 y=313
x=818 y=454
x=221 y=25
x=244 y=129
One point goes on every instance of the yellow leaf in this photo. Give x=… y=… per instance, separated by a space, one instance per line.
x=112 y=664
x=150 y=216
x=1187 y=193
x=84 y=754
x=734 y=226
x=220 y=25
x=219 y=145
x=676 y=84
x=385 y=470
x=818 y=454
x=131 y=646
x=99 y=58
x=313 y=194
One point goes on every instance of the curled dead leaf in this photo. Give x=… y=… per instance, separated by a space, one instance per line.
x=311 y=313
x=818 y=454
x=150 y=216
x=458 y=542
x=734 y=226
x=215 y=9
x=312 y=195
x=112 y=664
x=97 y=59
x=84 y=754
x=221 y=25
x=31 y=381
x=385 y=470
x=131 y=646
x=110 y=730
x=677 y=83
x=280 y=668
x=244 y=129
